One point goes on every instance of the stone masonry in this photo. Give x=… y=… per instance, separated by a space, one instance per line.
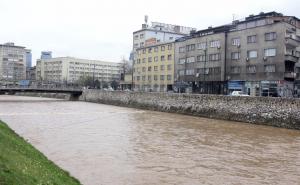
x=278 y=112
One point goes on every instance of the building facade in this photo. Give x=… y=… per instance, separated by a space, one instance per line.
x=154 y=68
x=258 y=55
x=158 y=33
x=46 y=54
x=12 y=63
x=28 y=58
x=71 y=70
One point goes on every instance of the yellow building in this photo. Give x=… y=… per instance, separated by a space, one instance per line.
x=153 y=68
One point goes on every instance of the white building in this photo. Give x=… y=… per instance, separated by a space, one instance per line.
x=158 y=32
x=69 y=69
x=12 y=63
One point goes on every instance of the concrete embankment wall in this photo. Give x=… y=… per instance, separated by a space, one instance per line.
x=45 y=95
x=279 y=112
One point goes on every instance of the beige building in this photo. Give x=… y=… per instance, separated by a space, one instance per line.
x=12 y=63
x=71 y=70
x=154 y=68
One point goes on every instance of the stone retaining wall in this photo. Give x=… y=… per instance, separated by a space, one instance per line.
x=279 y=112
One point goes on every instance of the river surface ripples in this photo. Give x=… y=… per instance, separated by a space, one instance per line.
x=103 y=144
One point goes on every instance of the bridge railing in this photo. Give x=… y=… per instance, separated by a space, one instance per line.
x=42 y=88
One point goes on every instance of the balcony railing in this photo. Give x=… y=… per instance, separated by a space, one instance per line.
x=292 y=58
x=290 y=75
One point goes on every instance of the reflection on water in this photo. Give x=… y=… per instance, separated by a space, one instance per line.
x=102 y=144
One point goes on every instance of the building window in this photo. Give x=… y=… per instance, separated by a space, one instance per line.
x=235 y=69
x=149 y=59
x=144 y=69
x=252 y=54
x=190 y=60
x=181 y=72
x=269 y=68
x=169 y=67
x=138 y=61
x=190 y=47
x=144 y=60
x=149 y=68
x=170 y=38
x=215 y=44
x=215 y=57
x=155 y=58
x=162 y=48
x=181 y=49
x=270 y=52
x=162 y=67
x=150 y=50
x=149 y=77
x=155 y=77
x=155 y=68
x=201 y=45
x=141 y=36
x=190 y=72
x=155 y=49
x=142 y=44
x=136 y=37
x=162 y=77
x=162 y=58
x=181 y=61
x=217 y=70
x=270 y=36
x=169 y=77
x=251 y=69
x=201 y=58
x=138 y=78
x=235 y=55
x=169 y=46
x=236 y=41
x=251 y=39
x=169 y=57
x=144 y=51
x=143 y=78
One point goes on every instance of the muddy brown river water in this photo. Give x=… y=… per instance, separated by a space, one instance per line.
x=102 y=144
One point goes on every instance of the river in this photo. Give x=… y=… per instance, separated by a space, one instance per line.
x=103 y=144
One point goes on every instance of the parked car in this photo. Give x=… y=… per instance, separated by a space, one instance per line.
x=238 y=93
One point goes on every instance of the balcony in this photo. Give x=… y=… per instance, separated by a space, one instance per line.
x=292 y=41
x=292 y=58
x=290 y=75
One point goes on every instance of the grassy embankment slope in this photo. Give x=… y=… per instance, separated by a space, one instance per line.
x=22 y=164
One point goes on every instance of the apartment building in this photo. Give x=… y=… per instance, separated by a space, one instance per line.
x=71 y=70
x=12 y=63
x=158 y=32
x=258 y=55
x=154 y=68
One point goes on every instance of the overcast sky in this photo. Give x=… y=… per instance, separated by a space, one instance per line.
x=98 y=29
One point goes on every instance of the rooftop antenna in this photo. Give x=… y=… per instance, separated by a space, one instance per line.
x=146 y=19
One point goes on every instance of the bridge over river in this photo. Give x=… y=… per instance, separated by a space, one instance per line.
x=74 y=92
x=103 y=144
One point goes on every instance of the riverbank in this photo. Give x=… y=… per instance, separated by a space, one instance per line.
x=21 y=163
x=278 y=112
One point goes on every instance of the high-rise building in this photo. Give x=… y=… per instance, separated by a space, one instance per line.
x=153 y=36
x=12 y=63
x=46 y=54
x=258 y=55
x=28 y=58
x=71 y=70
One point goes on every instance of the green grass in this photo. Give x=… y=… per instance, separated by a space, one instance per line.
x=22 y=164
